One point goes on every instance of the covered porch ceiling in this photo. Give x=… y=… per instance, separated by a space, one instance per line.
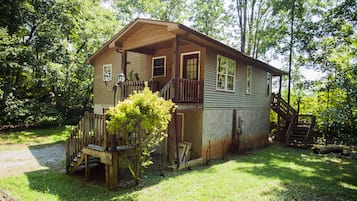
x=147 y=36
x=152 y=48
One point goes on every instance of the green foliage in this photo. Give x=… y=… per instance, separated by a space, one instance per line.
x=209 y=18
x=43 y=47
x=142 y=119
x=167 y=10
x=333 y=51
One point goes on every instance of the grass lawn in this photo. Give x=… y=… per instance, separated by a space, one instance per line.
x=35 y=136
x=272 y=173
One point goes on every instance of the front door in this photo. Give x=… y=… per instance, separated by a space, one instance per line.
x=190 y=66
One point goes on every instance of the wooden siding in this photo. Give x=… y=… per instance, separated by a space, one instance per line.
x=139 y=63
x=103 y=95
x=237 y=99
x=148 y=35
x=170 y=73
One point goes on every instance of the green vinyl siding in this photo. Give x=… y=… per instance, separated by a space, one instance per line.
x=237 y=99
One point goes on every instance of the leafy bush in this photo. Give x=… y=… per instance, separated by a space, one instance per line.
x=30 y=112
x=141 y=120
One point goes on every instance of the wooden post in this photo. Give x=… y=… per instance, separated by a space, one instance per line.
x=175 y=65
x=113 y=172
x=87 y=170
x=176 y=140
x=68 y=156
x=280 y=81
x=124 y=61
x=234 y=132
x=105 y=134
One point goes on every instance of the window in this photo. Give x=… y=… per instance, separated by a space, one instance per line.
x=159 y=66
x=268 y=83
x=225 y=73
x=248 y=86
x=107 y=72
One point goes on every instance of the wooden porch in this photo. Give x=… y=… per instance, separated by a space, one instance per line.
x=188 y=91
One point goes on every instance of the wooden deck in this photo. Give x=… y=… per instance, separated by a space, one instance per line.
x=89 y=141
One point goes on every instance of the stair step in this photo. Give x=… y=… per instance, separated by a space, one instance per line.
x=82 y=167
x=298 y=128
x=299 y=133
x=298 y=136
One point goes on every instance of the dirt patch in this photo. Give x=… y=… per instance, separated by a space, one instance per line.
x=32 y=158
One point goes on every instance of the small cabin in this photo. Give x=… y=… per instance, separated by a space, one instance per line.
x=223 y=96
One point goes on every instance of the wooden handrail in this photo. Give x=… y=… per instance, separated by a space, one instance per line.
x=189 y=91
x=167 y=92
x=290 y=129
x=128 y=88
x=311 y=126
x=91 y=129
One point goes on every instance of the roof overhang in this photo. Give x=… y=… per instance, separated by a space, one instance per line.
x=184 y=33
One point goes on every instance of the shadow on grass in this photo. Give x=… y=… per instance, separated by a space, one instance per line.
x=75 y=187
x=304 y=176
x=55 y=182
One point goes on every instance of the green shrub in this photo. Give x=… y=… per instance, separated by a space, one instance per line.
x=143 y=118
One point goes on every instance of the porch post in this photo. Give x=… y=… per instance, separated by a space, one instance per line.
x=280 y=85
x=123 y=61
x=175 y=65
x=123 y=64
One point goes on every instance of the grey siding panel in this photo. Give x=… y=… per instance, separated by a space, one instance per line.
x=237 y=99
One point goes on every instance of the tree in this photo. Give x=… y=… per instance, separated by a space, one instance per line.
x=329 y=45
x=166 y=10
x=141 y=120
x=250 y=19
x=43 y=48
x=209 y=18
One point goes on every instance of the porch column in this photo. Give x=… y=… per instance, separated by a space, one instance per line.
x=123 y=65
x=123 y=61
x=280 y=85
x=175 y=65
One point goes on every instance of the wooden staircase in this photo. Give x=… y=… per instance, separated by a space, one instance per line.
x=297 y=128
x=89 y=131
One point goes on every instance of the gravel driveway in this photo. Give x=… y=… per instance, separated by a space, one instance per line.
x=32 y=158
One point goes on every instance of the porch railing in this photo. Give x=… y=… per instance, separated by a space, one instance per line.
x=189 y=91
x=129 y=87
x=91 y=129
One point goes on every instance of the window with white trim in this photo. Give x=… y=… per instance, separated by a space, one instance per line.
x=159 y=66
x=248 y=87
x=107 y=72
x=268 y=83
x=226 y=69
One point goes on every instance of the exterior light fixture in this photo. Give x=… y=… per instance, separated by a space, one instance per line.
x=121 y=78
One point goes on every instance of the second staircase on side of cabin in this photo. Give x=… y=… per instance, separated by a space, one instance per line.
x=297 y=128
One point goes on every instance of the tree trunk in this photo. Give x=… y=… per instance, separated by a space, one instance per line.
x=291 y=47
x=250 y=29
